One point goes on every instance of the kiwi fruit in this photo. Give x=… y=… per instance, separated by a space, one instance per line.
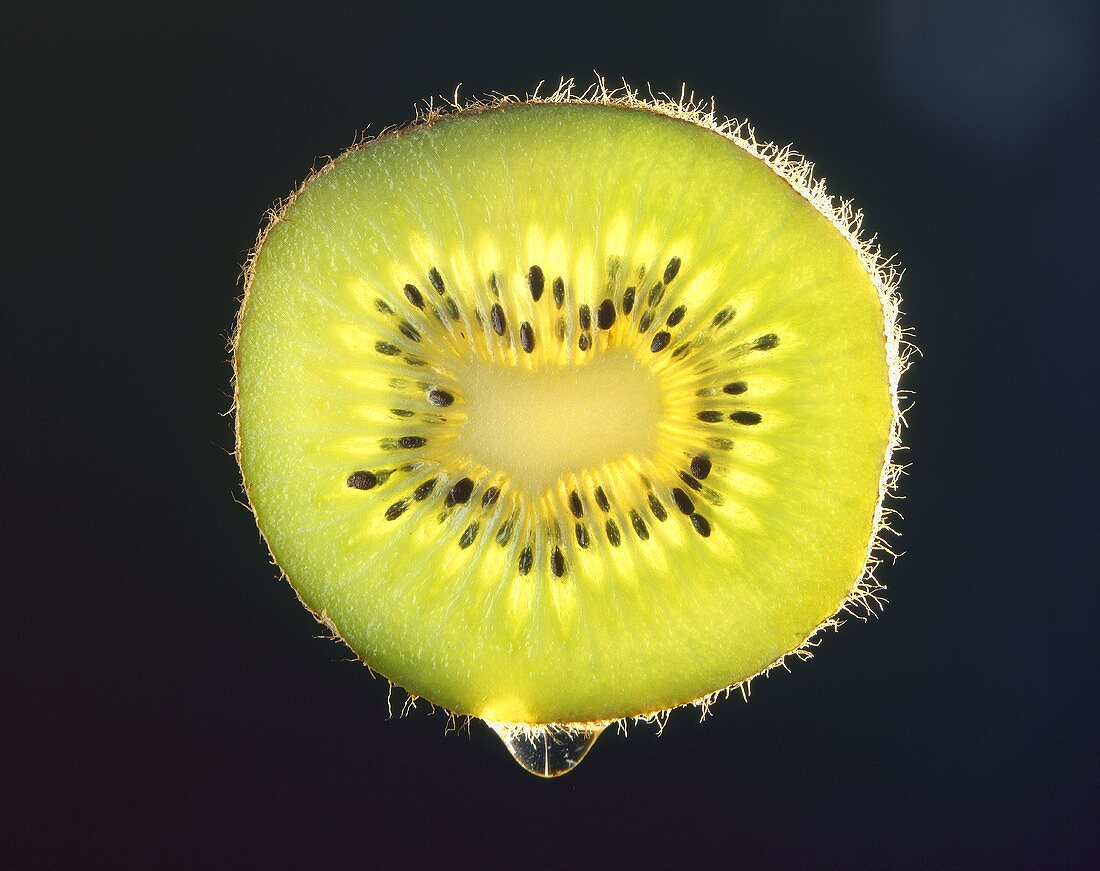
x=569 y=409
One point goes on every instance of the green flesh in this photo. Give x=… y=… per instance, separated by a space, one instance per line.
x=594 y=195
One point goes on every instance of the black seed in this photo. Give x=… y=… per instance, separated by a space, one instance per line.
x=452 y=309
x=605 y=314
x=401 y=412
x=575 y=504
x=655 y=295
x=709 y=416
x=657 y=508
x=397 y=509
x=460 y=492
x=559 y=292
x=701 y=525
x=557 y=563
x=690 y=481
x=415 y=361
x=660 y=341
x=504 y=534
x=646 y=320
x=746 y=418
x=412 y=294
x=585 y=317
x=412 y=441
x=527 y=337
x=672 y=270
x=681 y=351
x=363 y=480
x=536 y=282
x=468 y=536
x=409 y=331
x=700 y=467
x=585 y=342
x=561 y=329
x=628 y=300
x=601 y=499
x=766 y=343
x=437 y=280
x=676 y=316
x=582 y=535
x=440 y=398
x=613 y=533
x=720 y=444
x=735 y=388
x=424 y=490
x=639 y=525
x=490 y=496
x=683 y=501
x=496 y=315
x=383 y=306
x=525 y=560
x=723 y=317
x=494 y=285
x=387 y=349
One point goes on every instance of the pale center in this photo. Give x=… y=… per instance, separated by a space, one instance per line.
x=538 y=425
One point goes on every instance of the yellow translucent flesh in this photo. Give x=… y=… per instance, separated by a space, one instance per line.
x=576 y=189
x=537 y=426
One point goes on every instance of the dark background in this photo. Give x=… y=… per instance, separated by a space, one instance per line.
x=168 y=702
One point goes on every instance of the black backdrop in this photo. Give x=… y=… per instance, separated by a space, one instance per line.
x=168 y=702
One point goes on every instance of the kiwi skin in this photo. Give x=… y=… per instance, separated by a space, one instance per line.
x=865 y=597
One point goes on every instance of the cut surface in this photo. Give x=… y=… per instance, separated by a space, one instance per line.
x=560 y=413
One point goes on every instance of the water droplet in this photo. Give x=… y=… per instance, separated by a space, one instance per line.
x=549 y=752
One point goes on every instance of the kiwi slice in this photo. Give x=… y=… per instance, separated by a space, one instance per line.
x=566 y=410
